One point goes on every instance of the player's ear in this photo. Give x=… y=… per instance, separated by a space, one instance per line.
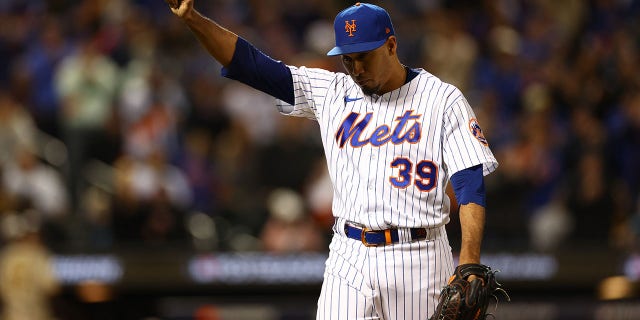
x=391 y=45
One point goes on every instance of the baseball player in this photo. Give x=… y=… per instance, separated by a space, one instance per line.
x=394 y=137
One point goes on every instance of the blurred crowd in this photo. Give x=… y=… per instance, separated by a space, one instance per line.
x=117 y=130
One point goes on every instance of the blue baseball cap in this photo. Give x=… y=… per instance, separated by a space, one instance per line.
x=361 y=27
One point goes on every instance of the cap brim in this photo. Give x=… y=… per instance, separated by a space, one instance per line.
x=356 y=47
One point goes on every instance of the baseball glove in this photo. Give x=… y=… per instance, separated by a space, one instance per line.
x=462 y=300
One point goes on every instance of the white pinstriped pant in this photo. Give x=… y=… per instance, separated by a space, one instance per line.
x=401 y=281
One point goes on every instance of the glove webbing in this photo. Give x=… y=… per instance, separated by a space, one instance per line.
x=465 y=270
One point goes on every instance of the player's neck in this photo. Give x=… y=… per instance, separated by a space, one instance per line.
x=397 y=78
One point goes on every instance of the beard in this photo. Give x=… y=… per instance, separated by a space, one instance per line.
x=368 y=88
x=369 y=91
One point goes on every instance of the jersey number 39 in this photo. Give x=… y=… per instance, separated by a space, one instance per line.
x=426 y=174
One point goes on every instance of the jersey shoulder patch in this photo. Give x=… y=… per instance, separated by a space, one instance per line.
x=476 y=131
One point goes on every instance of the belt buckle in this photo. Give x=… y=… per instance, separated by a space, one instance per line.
x=387 y=236
x=364 y=239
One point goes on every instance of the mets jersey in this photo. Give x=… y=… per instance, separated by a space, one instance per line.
x=390 y=156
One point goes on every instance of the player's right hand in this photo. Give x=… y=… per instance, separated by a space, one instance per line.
x=180 y=7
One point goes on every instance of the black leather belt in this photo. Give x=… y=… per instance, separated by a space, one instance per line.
x=374 y=238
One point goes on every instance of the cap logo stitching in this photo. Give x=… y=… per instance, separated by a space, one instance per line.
x=350 y=28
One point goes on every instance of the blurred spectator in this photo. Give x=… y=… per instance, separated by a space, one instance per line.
x=151 y=106
x=33 y=184
x=164 y=221
x=318 y=194
x=625 y=139
x=16 y=24
x=97 y=214
x=154 y=175
x=253 y=110
x=290 y=156
x=155 y=129
x=151 y=198
x=289 y=227
x=207 y=109
x=36 y=184
x=550 y=227
x=26 y=273
x=632 y=230
x=450 y=52
x=239 y=195
x=498 y=77
x=41 y=61
x=17 y=128
x=590 y=200
x=200 y=171
x=86 y=82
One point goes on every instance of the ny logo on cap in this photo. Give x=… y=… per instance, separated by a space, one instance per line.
x=350 y=28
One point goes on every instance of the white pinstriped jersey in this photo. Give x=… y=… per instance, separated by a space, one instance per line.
x=390 y=156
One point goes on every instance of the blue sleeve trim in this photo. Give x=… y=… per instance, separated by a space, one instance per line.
x=468 y=185
x=254 y=68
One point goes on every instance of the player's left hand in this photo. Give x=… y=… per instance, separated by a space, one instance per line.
x=468 y=293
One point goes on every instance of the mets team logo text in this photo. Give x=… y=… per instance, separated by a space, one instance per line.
x=406 y=129
x=350 y=28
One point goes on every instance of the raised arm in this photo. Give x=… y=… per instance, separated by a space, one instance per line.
x=219 y=42
x=241 y=60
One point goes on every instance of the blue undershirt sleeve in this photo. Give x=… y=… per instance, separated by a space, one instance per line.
x=254 y=68
x=468 y=185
